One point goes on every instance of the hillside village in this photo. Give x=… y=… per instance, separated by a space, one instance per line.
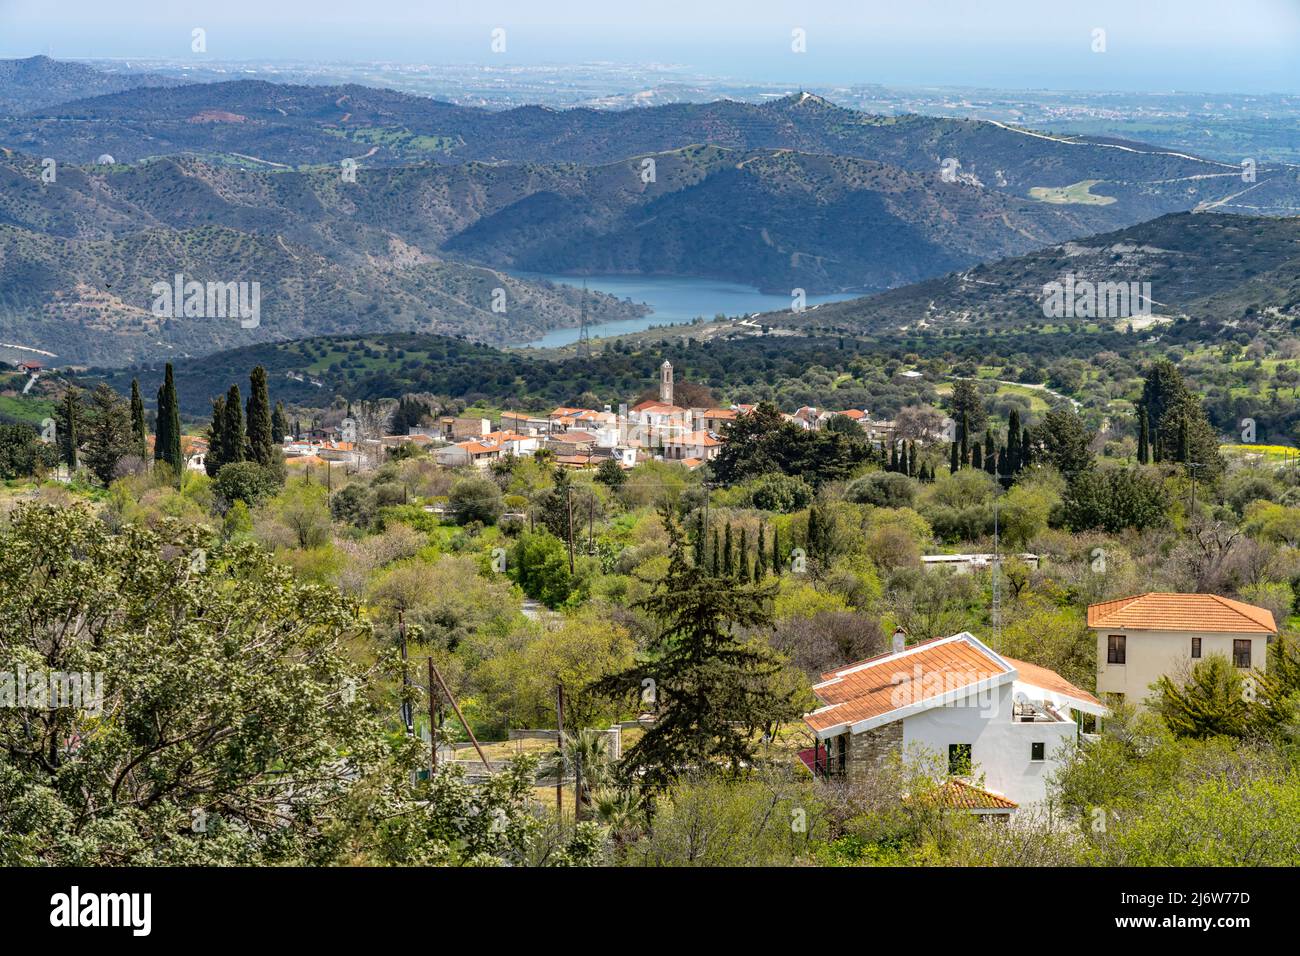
x=953 y=619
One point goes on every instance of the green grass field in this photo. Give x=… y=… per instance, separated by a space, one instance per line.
x=1076 y=194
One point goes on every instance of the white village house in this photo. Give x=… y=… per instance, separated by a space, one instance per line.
x=1001 y=726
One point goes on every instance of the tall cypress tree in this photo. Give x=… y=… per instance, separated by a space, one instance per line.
x=167 y=440
x=965 y=439
x=139 y=431
x=236 y=442
x=160 y=429
x=1012 y=455
x=953 y=464
x=728 y=556
x=260 y=439
x=1144 y=437
x=760 y=565
x=976 y=456
x=214 y=459
x=742 y=566
x=71 y=412
x=280 y=423
x=1026 y=448
x=778 y=559
x=990 y=452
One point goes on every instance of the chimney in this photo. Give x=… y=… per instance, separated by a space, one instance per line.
x=900 y=639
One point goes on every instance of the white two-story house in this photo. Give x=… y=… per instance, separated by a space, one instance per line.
x=1147 y=636
x=1002 y=722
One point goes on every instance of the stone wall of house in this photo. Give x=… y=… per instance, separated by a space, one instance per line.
x=869 y=749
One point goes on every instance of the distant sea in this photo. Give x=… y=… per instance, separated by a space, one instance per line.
x=672 y=301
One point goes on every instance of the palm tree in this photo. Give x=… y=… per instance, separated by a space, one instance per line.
x=586 y=756
x=621 y=812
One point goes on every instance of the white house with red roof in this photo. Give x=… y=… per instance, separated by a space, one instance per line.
x=1147 y=636
x=1000 y=726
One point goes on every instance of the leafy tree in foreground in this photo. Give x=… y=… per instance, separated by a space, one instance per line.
x=715 y=693
x=191 y=755
x=234 y=726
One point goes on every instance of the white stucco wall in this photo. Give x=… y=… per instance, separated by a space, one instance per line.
x=1150 y=654
x=1000 y=748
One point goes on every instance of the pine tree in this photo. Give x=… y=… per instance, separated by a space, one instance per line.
x=714 y=689
x=261 y=440
x=108 y=437
x=139 y=431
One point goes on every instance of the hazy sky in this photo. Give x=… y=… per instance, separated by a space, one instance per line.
x=1213 y=45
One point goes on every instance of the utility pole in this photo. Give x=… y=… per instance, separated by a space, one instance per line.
x=591 y=525
x=568 y=503
x=997 y=582
x=437 y=676
x=559 y=742
x=408 y=719
x=433 y=724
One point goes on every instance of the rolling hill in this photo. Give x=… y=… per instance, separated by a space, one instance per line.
x=1226 y=273
x=38 y=82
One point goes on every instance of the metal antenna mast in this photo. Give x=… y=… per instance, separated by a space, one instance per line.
x=997 y=582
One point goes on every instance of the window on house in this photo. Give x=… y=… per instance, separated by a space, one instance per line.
x=959 y=759
x=1115 y=649
x=1241 y=653
x=1196 y=647
x=1037 y=750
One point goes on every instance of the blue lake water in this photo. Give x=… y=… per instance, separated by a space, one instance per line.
x=672 y=300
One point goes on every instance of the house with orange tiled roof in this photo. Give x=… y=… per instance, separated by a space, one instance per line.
x=1147 y=636
x=999 y=725
x=699 y=444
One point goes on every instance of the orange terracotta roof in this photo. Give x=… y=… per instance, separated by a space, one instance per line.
x=1049 y=680
x=694 y=438
x=877 y=687
x=852 y=413
x=1155 y=611
x=574 y=438
x=961 y=795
